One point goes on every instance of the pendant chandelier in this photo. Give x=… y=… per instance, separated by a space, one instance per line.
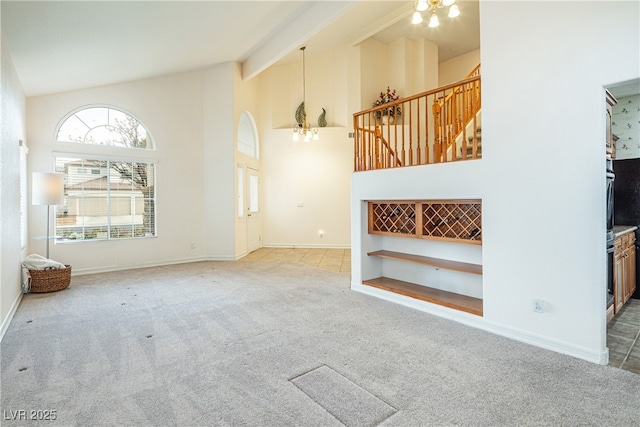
x=302 y=128
x=433 y=5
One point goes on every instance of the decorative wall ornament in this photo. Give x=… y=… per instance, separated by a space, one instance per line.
x=322 y=120
x=301 y=115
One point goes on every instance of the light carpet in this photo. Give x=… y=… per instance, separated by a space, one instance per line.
x=222 y=343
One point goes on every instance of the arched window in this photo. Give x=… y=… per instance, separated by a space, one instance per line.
x=247 y=135
x=111 y=196
x=104 y=126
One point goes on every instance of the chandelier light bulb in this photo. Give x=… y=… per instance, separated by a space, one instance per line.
x=449 y=3
x=434 y=22
x=421 y=6
x=416 y=18
x=454 y=11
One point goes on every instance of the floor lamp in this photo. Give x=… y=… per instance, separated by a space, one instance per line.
x=47 y=189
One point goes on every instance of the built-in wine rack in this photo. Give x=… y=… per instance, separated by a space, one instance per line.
x=393 y=217
x=457 y=220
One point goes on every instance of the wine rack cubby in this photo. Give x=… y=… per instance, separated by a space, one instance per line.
x=395 y=218
x=450 y=220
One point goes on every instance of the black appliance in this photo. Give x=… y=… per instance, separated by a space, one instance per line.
x=610 y=235
x=627 y=202
x=610 y=199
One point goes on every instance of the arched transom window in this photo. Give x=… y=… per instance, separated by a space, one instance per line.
x=247 y=135
x=104 y=126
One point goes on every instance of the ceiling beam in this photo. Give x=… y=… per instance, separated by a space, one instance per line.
x=317 y=16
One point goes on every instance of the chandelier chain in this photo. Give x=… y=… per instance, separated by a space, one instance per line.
x=304 y=84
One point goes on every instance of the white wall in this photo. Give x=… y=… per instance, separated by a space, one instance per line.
x=171 y=109
x=408 y=66
x=457 y=68
x=316 y=174
x=543 y=200
x=545 y=213
x=422 y=74
x=218 y=162
x=306 y=189
x=12 y=125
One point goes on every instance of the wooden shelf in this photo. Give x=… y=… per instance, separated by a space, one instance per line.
x=424 y=293
x=458 y=221
x=434 y=262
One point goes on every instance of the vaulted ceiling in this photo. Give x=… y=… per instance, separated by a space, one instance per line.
x=65 y=45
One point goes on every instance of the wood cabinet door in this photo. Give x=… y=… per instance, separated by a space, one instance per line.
x=618 y=281
x=630 y=266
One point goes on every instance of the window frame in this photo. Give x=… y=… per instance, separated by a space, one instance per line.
x=75 y=111
x=24 y=209
x=107 y=151
x=246 y=123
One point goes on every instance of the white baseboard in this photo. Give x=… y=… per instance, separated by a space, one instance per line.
x=305 y=246
x=83 y=271
x=599 y=357
x=9 y=317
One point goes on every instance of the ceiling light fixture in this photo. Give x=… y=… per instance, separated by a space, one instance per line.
x=302 y=128
x=433 y=5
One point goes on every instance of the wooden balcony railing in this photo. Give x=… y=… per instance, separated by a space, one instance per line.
x=439 y=125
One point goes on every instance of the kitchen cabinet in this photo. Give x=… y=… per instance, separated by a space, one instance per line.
x=629 y=266
x=624 y=254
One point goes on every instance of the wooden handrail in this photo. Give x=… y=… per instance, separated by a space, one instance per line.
x=474 y=72
x=420 y=95
x=422 y=128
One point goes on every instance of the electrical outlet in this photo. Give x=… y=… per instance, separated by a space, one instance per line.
x=538 y=306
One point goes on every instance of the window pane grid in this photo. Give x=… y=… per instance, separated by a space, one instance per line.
x=104 y=126
x=116 y=203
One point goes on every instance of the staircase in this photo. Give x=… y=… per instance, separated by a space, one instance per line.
x=470 y=143
x=465 y=147
x=432 y=127
x=455 y=118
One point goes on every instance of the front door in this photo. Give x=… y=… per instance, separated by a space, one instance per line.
x=254 y=224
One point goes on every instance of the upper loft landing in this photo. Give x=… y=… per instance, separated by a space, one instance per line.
x=436 y=126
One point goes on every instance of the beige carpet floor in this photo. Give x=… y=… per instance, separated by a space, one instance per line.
x=280 y=343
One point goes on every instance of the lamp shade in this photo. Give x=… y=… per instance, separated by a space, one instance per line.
x=47 y=188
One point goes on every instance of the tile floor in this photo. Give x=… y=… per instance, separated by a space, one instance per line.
x=623 y=332
x=623 y=337
x=337 y=260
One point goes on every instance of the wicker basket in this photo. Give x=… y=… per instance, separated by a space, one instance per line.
x=49 y=280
